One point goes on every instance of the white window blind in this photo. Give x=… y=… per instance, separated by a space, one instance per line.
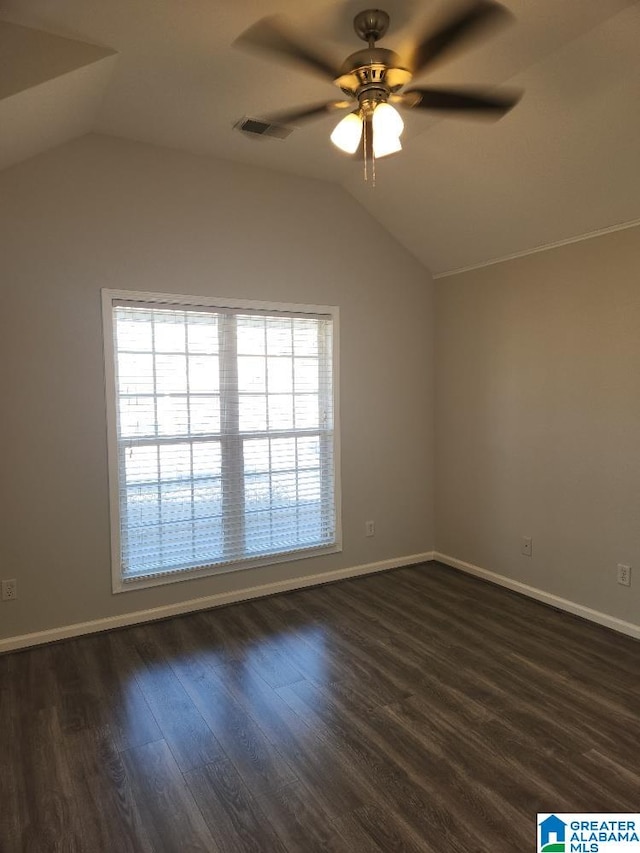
x=224 y=422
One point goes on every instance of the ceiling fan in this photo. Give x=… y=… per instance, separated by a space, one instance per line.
x=374 y=78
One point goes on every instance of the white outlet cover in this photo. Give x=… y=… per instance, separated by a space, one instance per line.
x=9 y=590
x=624 y=574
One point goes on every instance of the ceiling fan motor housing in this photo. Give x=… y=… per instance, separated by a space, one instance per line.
x=372 y=65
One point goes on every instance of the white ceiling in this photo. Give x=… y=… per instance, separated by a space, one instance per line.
x=563 y=163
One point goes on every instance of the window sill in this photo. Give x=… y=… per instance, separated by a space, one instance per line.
x=145 y=581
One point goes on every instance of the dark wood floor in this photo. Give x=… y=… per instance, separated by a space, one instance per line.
x=417 y=710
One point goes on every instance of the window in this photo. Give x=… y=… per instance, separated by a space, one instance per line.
x=222 y=449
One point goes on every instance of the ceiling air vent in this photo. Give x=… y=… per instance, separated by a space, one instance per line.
x=258 y=127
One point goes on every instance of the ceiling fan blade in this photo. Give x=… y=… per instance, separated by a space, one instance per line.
x=466 y=22
x=273 y=35
x=485 y=105
x=310 y=111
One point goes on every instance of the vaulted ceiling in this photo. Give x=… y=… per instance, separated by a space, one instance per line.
x=563 y=163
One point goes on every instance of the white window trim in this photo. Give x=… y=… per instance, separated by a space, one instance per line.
x=108 y=298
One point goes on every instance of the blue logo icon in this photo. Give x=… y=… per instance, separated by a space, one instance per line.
x=552 y=832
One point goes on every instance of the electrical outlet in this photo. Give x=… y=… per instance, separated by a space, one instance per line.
x=624 y=574
x=9 y=590
x=369 y=528
x=526 y=546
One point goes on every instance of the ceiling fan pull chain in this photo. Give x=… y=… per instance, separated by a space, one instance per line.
x=366 y=148
x=369 y=156
x=373 y=166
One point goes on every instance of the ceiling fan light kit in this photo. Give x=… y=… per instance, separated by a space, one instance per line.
x=386 y=126
x=373 y=78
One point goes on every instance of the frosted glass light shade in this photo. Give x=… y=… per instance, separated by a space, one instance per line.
x=387 y=126
x=387 y=120
x=347 y=133
x=385 y=146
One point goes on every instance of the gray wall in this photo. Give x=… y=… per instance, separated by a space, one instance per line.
x=537 y=395
x=538 y=419
x=101 y=212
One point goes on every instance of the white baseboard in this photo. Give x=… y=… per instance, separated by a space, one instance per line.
x=612 y=622
x=136 y=617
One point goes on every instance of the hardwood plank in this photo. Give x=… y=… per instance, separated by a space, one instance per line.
x=171 y=817
x=420 y=709
x=264 y=653
x=614 y=779
x=302 y=824
x=191 y=637
x=98 y=688
x=11 y=771
x=78 y=705
x=421 y=613
x=189 y=737
x=352 y=664
x=49 y=815
x=548 y=624
x=129 y=716
x=323 y=769
x=502 y=781
x=235 y=818
x=581 y=787
x=259 y=763
x=542 y=699
x=548 y=634
x=302 y=642
x=5 y=661
x=111 y=819
x=428 y=773
x=383 y=775
x=32 y=673
x=351 y=831
x=232 y=638
x=464 y=687
x=382 y=827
